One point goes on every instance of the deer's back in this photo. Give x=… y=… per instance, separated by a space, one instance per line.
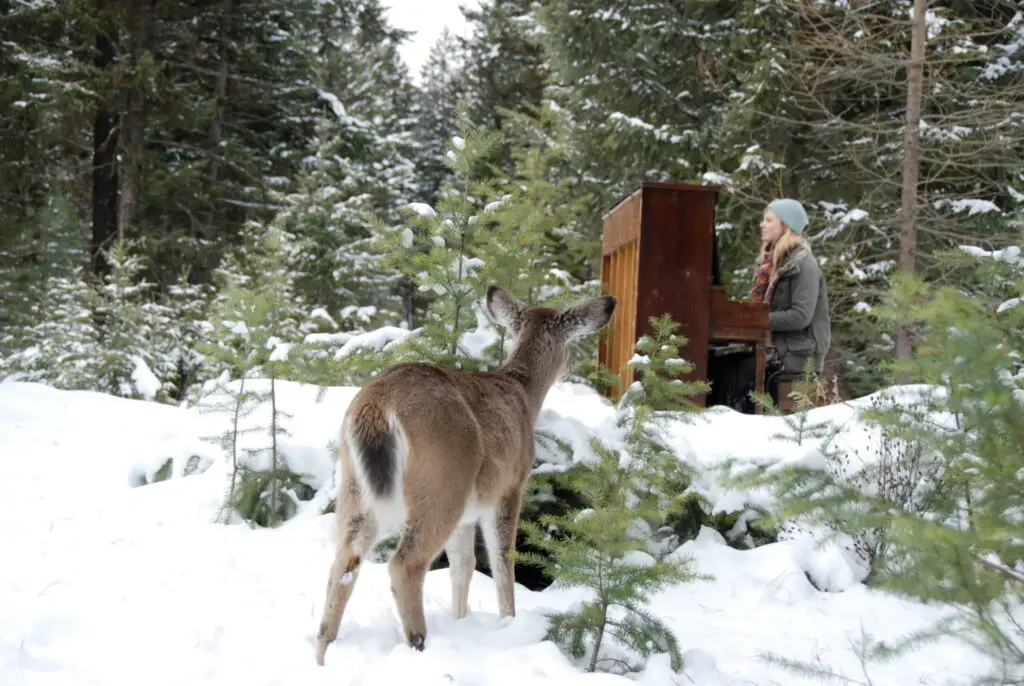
x=463 y=425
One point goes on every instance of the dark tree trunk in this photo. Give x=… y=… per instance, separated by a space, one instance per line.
x=220 y=94
x=140 y=27
x=911 y=168
x=104 y=166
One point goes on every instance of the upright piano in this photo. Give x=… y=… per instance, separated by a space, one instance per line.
x=660 y=255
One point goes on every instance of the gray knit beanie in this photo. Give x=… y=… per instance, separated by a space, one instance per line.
x=791 y=212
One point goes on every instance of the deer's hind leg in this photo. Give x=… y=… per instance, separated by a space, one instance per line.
x=461 y=552
x=357 y=532
x=427 y=528
x=499 y=529
x=437 y=485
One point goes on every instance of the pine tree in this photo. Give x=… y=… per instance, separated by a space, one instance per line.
x=38 y=263
x=910 y=166
x=667 y=91
x=441 y=98
x=360 y=165
x=105 y=335
x=505 y=71
x=485 y=229
x=56 y=347
x=130 y=329
x=329 y=221
x=187 y=325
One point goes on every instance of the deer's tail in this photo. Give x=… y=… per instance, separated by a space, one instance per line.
x=373 y=447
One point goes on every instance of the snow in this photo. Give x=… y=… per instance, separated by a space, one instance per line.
x=970 y=206
x=145 y=380
x=717 y=179
x=378 y=339
x=1010 y=255
x=320 y=314
x=422 y=209
x=109 y=581
x=407 y=237
x=1008 y=305
x=336 y=105
x=362 y=313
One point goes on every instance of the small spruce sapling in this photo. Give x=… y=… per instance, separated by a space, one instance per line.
x=485 y=228
x=604 y=546
x=438 y=248
x=254 y=317
x=130 y=328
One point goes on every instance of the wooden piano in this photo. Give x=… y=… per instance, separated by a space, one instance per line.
x=659 y=255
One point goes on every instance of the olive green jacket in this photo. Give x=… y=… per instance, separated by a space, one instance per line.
x=799 y=314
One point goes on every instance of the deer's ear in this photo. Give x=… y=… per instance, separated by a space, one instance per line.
x=505 y=308
x=588 y=317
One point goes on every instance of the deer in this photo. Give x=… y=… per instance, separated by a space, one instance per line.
x=430 y=453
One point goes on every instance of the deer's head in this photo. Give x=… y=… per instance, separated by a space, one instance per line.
x=542 y=335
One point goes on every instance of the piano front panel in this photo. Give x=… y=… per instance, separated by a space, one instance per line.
x=678 y=234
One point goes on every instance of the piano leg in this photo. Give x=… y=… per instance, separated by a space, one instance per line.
x=760 y=358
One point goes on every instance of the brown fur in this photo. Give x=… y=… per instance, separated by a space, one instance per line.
x=461 y=451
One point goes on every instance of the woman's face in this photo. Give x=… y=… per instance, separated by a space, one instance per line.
x=771 y=227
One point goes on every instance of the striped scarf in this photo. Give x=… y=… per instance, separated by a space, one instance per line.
x=762 y=279
x=764 y=284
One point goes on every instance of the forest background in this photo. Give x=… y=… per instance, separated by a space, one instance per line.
x=183 y=134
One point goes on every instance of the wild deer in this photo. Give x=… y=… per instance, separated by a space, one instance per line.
x=431 y=452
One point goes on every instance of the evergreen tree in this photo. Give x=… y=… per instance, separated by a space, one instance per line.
x=934 y=509
x=187 y=326
x=359 y=166
x=486 y=228
x=103 y=335
x=441 y=97
x=56 y=346
x=439 y=251
x=909 y=166
x=33 y=259
x=255 y=315
x=130 y=328
x=505 y=71
x=664 y=91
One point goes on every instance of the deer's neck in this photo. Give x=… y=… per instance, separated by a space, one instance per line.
x=534 y=371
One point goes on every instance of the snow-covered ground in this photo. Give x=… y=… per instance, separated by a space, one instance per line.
x=104 y=581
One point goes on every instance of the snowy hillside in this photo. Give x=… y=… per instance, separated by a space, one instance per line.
x=106 y=581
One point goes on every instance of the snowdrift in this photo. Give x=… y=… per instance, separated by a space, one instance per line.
x=109 y=578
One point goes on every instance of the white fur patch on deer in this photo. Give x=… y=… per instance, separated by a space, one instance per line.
x=430 y=453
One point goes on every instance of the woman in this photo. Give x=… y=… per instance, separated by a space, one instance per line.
x=788 y=277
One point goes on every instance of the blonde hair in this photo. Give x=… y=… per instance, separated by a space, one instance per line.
x=785 y=245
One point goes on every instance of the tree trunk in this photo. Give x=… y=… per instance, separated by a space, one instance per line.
x=911 y=164
x=273 y=450
x=104 y=165
x=140 y=27
x=220 y=95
